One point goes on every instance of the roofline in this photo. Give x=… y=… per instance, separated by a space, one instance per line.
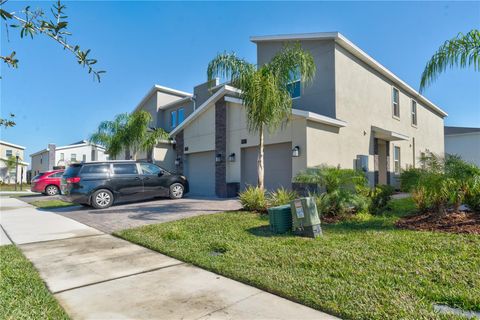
x=312 y=116
x=168 y=105
x=70 y=146
x=357 y=52
x=12 y=145
x=23 y=163
x=163 y=89
x=462 y=133
x=217 y=95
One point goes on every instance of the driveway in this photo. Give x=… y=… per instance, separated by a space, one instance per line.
x=130 y=215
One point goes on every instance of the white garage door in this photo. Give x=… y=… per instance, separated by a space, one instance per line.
x=277 y=164
x=200 y=172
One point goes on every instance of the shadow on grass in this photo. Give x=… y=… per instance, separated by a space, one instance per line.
x=264 y=231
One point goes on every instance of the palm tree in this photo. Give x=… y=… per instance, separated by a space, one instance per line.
x=462 y=51
x=128 y=132
x=265 y=89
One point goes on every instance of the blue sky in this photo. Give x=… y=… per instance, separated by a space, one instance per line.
x=140 y=44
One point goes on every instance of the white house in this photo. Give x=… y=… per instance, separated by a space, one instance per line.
x=11 y=151
x=464 y=142
x=58 y=157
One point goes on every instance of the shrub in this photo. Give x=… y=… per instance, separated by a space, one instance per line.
x=333 y=178
x=253 y=199
x=281 y=197
x=472 y=197
x=409 y=179
x=379 y=198
x=341 y=202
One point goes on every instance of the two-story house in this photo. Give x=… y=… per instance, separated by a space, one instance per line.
x=8 y=163
x=54 y=157
x=356 y=114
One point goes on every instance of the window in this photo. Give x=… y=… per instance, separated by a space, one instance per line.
x=102 y=168
x=151 y=169
x=396 y=103
x=414 y=112
x=125 y=168
x=396 y=159
x=181 y=115
x=41 y=160
x=173 y=119
x=56 y=175
x=8 y=153
x=294 y=86
x=84 y=158
x=62 y=156
x=73 y=157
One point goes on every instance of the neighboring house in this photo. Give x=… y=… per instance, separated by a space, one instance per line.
x=464 y=142
x=356 y=114
x=9 y=151
x=59 y=157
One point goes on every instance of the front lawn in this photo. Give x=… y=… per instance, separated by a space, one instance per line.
x=23 y=294
x=51 y=204
x=11 y=187
x=364 y=269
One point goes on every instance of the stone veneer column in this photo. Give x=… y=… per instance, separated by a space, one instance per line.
x=387 y=151
x=221 y=148
x=375 y=161
x=179 y=147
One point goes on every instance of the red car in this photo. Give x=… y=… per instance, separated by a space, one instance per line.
x=47 y=182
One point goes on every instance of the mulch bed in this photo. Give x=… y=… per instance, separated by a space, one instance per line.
x=455 y=222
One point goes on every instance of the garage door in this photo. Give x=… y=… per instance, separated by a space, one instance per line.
x=277 y=163
x=200 y=172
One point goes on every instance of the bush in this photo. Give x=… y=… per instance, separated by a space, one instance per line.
x=409 y=179
x=253 y=199
x=379 y=198
x=281 y=197
x=344 y=189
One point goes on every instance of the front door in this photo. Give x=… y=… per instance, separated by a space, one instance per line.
x=155 y=180
x=127 y=182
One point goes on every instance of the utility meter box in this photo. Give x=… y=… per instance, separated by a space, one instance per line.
x=305 y=220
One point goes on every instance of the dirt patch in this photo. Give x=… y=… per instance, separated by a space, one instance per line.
x=457 y=222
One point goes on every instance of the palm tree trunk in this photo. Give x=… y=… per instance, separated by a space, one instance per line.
x=260 y=170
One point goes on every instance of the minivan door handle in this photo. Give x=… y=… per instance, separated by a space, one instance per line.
x=137 y=178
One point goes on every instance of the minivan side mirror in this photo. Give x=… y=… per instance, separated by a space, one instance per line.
x=161 y=173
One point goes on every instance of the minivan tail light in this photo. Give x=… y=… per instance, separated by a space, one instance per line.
x=73 y=180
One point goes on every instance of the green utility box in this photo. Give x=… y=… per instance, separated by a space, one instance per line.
x=280 y=219
x=305 y=217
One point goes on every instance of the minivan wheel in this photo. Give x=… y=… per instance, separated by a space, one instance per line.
x=102 y=199
x=51 y=190
x=176 y=191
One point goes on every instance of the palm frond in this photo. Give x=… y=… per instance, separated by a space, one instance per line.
x=462 y=51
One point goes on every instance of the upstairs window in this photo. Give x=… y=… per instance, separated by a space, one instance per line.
x=396 y=103
x=396 y=160
x=414 y=112
x=84 y=158
x=181 y=115
x=73 y=157
x=8 y=153
x=173 y=119
x=294 y=86
x=62 y=156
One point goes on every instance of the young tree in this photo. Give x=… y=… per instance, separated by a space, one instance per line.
x=462 y=51
x=265 y=89
x=54 y=26
x=128 y=132
x=10 y=164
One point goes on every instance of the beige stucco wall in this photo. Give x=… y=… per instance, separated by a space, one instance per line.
x=363 y=100
x=154 y=102
x=199 y=135
x=164 y=155
x=39 y=163
x=294 y=132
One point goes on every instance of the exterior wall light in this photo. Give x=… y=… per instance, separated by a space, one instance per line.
x=218 y=157
x=296 y=151
x=231 y=157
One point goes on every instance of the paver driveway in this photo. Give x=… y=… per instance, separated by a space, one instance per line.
x=123 y=216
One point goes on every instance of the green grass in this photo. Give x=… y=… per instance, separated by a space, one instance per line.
x=364 y=269
x=51 y=204
x=23 y=294
x=11 y=187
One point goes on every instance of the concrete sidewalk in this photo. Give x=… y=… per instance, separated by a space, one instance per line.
x=98 y=276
